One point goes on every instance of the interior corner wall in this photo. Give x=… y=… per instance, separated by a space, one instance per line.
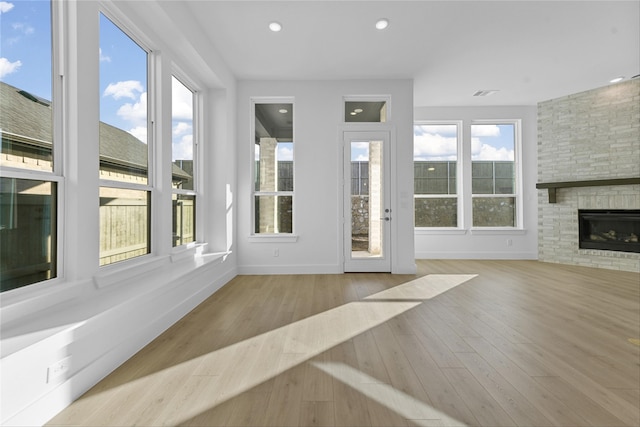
x=318 y=112
x=487 y=244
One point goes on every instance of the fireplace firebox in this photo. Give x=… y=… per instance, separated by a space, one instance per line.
x=609 y=229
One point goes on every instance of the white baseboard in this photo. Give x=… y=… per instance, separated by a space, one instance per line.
x=290 y=269
x=477 y=255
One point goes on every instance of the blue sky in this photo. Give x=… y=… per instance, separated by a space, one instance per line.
x=123 y=81
x=25 y=62
x=25 y=50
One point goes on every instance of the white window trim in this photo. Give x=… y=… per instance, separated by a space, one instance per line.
x=270 y=237
x=519 y=218
x=153 y=59
x=58 y=122
x=177 y=252
x=459 y=229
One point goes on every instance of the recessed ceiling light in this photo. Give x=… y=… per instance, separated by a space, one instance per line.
x=358 y=110
x=283 y=111
x=353 y=113
x=382 y=24
x=617 y=79
x=275 y=26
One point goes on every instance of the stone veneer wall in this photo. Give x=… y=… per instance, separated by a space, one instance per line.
x=587 y=136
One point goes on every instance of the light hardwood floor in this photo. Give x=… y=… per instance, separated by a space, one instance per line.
x=488 y=343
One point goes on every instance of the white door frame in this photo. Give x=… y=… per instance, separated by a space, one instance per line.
x=382 y=263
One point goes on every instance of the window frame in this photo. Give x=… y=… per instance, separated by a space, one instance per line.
x=253 y=235
x=152 y=177
x=58 y=39
x=197 y=181
x=517 y=170
x=459 y=178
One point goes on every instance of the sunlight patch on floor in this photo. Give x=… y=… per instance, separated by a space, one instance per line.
x=403 y=404
x=204 y=382
x=423 y=288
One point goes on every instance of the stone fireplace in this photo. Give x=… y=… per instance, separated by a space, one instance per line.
x=589 y=136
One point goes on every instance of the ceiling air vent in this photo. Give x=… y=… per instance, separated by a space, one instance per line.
x=486 y=92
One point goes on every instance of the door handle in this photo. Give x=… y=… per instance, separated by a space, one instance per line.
x=386 y=218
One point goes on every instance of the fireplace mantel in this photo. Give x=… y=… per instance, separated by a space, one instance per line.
x=553 y=186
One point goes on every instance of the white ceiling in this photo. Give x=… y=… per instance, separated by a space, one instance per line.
x=530 y=51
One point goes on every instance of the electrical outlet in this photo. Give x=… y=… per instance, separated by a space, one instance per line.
x=58 y=369
x=509 y=242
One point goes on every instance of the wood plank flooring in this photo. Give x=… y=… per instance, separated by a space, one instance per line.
x=477 y=343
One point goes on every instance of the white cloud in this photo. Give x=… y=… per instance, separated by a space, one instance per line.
x=183 y=149
x=181 y=100
x=139 y=132
x=181 y=128
x=126 y=89
x=359 y=151
x=430 y=146
x=285 y=152
x=5 y=7
x=136 y=113
x=445 y=130
x=103 y=58
x=485 y=130
x=481 y=151
x=23 y=28
x=10 y=41
x=8 y=67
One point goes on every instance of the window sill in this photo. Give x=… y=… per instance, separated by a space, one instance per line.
x=498 y=230
x=187 y=251
x=441 y=231
x=41 y=320
x=119 y=272
x=273 y=238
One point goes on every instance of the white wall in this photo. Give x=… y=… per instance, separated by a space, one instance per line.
x=487 y=244
x=318 y=111
x=95 y=318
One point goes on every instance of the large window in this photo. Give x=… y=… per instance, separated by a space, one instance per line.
x=183 y=166
x=30 y=174
x=439 y=198
x=435 y=163
x=493 y=174
x=125 y=191
x=273 y=171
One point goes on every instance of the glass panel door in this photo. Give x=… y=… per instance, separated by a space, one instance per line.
x=367 y=210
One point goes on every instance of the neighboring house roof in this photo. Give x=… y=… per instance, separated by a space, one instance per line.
x=24 y=114
x=28 y=118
